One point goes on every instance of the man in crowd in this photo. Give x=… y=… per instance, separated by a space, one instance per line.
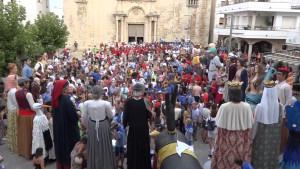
x=214 y=63
x=285 y=97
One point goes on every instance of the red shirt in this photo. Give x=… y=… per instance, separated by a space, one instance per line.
x=198 y=78
x=205 y=97
x=214 y=88
x=144 y=66
x=187 y=78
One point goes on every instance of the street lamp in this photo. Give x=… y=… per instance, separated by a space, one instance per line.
x=190 y=31
x=230 y=35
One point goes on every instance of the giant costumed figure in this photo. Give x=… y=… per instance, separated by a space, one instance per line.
x=291 y=155
x=167 y=142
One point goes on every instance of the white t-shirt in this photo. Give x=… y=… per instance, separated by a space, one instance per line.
x=37 y=66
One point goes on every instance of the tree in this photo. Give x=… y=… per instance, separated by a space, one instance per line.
x=51 y=32
x=16 y=40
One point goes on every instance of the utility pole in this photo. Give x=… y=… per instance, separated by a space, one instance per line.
x=230 y=35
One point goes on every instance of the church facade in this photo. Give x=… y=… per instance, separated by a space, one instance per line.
x=91 y=22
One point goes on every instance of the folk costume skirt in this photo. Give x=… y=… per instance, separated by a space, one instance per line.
x=12 y=128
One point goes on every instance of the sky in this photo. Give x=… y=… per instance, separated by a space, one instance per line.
x=55 y=3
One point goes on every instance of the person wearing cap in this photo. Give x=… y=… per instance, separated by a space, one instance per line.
x=96 y=114
x=214 y=63
x=136 y=115
x=284 y=92
x=27 y=70
x=65 y=124
x=25 y=118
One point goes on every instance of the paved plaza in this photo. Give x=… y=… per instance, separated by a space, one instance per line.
x=14 y=161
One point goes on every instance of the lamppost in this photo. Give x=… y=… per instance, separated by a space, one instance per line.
x=230 y=35
x=190 y=26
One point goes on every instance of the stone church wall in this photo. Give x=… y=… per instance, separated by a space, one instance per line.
x=91 y=22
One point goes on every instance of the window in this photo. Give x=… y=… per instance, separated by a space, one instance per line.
x=221 y=21
x=288 y=22
x=39 y=1
x=193 y=2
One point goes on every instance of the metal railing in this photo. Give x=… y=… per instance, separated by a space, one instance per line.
x=245 y=1
x=262 y=28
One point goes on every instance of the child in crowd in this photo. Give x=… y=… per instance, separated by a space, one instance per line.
x=211 y=121
x=79 y=154
x=38 y=160
x=205 y=96
x=214 y=88
x=243 y=164
x=205 y=114
x=189 y=131
x=119 y=147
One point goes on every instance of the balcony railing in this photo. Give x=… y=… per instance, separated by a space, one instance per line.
x=248 y=27
x=244 y=1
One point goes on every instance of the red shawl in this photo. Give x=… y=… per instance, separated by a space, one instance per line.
x=57 y=91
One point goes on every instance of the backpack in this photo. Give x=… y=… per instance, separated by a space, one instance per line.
x=211 y=125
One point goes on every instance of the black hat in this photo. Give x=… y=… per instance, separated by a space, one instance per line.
x=138 y=87
x=24 y=58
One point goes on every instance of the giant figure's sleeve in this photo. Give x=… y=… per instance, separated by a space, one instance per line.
x=30 y=100
x=108 y=111
x=85 y=116
x=71 y=112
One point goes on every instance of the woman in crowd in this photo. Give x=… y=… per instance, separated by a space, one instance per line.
x=12 y=107
x=95 y=114
x=254 y=88
x=242 y=76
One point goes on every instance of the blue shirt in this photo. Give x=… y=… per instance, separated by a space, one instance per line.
x=47 y=97
x=188 y=130
x=175 y=64
x=96 y=76
x=247 y=166
x=132 y=64
x=179 y=69
x=120 y=141
x=27 y=71
x=182 y=100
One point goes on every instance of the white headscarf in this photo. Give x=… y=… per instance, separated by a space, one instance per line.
x=267 y=112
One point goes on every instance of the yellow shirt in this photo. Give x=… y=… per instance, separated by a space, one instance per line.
x=196 y=60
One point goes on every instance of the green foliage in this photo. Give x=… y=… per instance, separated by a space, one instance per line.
x=278 y=65
x=51 y=31
x=18 y=40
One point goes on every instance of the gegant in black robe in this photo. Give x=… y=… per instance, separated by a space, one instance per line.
x=136 y=116
x=65 y=129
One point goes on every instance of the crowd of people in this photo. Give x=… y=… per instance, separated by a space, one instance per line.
x=69 y=109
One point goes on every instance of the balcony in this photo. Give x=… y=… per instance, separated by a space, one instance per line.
x=259 y=32
x=293 y=38
x=252 y=5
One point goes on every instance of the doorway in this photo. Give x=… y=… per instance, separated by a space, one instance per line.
x=136 y=33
